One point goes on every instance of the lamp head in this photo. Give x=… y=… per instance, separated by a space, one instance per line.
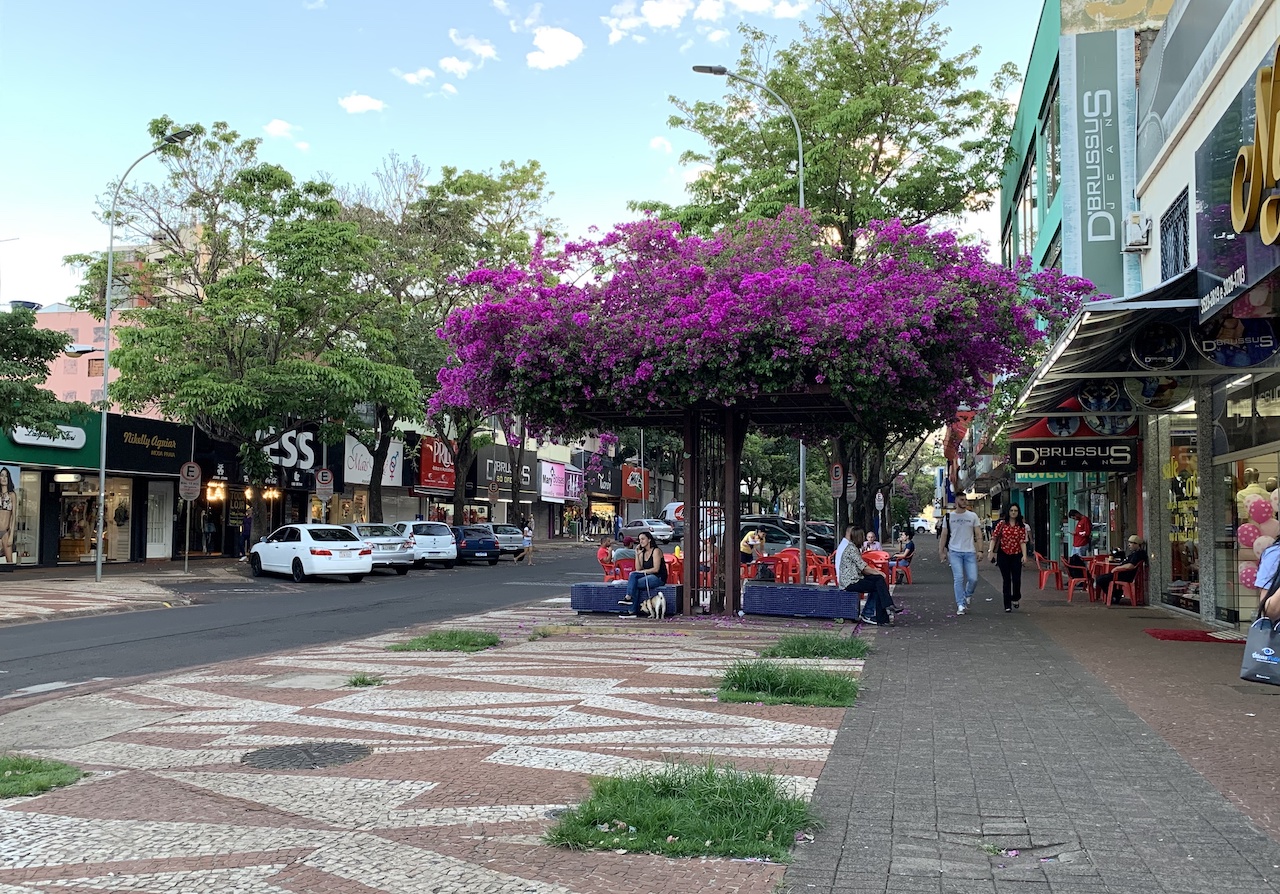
x=78 y=350
x=711 y=70
x=178 y=136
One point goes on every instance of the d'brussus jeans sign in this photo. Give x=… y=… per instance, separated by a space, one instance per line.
x=1076 y=455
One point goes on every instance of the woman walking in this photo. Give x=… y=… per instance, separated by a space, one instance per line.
x=1009 y=544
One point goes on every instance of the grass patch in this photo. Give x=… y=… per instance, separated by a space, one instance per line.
x=818 y=645
x=540 y=633
x=366 y=680
x=684 y=810
x=449 y=641
x=778 y=684
x=32 y=775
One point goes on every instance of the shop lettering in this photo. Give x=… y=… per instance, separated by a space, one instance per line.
x=1101 y=217
x=1028 y=456
x=147 y=442
x=1215 y=296
x=1209 y=345
x=295 y=449
x=1256 y=165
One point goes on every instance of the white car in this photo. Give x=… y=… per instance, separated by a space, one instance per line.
x=922 y=525
x=510 y=538
x=432 y=542
x=661 y=531
x=391 y=549
x=305 y=549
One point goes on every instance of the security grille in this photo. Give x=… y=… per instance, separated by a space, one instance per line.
x=1175 y=239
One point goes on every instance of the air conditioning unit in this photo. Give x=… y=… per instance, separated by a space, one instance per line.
x=1137 y=233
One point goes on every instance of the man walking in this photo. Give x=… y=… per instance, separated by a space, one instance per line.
x=959 y=545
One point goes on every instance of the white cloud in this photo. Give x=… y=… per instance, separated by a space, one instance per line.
x=687 y=45
x=449 y=88
x=696 y=173
x=502 y=7
x=478 y=47
x=314 y=4
x=622 y=20
x=302 y=145
x=753 y=6
x=277 y=127
x=455 y=66
x=665 y=13
x=556 y=47
x=358 y=102
x=416 y=78
x=718 y=35
x=785 y=10
x=709 y=10
x=662 y=144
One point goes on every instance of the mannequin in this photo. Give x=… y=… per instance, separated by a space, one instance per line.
x=1251 y=488
x=1272 y=484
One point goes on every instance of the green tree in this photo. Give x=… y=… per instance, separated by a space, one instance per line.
x=25 y=355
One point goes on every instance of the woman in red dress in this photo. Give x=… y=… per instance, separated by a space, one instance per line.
x=1009 y=544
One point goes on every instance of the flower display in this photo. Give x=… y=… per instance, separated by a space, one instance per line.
x=647 y=317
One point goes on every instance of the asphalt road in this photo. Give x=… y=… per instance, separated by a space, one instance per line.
x=237 y=619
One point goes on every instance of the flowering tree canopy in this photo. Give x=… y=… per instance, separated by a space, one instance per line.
x=646 y=320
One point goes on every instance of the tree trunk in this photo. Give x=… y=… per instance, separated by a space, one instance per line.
x=375 y=475
x=515 y=456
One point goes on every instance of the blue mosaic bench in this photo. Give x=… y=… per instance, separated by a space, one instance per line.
x=798 y=600
x=602 y=597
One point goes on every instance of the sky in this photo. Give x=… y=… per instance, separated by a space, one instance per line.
x=334 y=86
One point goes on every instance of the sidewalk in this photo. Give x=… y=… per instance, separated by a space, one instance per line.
x=1055 y=750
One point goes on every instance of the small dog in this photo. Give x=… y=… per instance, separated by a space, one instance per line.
x=655 y=606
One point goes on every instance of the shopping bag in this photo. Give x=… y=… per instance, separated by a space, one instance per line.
x=1261 y=662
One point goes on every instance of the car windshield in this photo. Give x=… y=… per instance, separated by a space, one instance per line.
x=332 y=535
x=475 y=532
x=377 y=531
x=506 y=529
x=432 y=531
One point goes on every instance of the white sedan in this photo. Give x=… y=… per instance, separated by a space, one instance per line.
x=302 y=550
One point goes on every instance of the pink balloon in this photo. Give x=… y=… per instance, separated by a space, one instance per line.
x=1260 y=545
x=1247 y=534
x=1275 y=499
x=1248 y=573
x=1260 y=511
x=1270 y=528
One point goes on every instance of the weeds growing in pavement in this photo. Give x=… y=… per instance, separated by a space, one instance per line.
x=449 y=641
x=818 y=645
x=777 y=684
x=32 y=775
x=365 y=680
x=540 y=633
x=686 y=810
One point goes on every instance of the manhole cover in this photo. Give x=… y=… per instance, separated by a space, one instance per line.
x=306 y=755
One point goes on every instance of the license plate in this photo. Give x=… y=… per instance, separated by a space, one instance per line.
x=344 y=554
x=482 y=555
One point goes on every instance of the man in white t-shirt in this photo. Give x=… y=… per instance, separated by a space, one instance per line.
x=960 y=543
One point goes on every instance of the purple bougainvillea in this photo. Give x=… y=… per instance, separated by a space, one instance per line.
x=647 y=316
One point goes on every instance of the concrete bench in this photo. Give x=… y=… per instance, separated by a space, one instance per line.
x=601 y=597
x=799 y=600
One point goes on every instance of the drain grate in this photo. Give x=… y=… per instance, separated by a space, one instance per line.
x=306 y=755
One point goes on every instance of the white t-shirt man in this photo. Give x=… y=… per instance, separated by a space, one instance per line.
x=959 y=528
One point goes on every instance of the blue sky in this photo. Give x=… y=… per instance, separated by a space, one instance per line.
x=334 y=86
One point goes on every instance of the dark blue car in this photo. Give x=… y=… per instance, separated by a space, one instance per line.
x=476 y=544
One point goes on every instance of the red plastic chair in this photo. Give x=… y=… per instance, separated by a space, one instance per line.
x=622 y=568
x=1134 y=590
x=878 y=558
x=1085 y=581
x=900 y=571
x=1048 y=568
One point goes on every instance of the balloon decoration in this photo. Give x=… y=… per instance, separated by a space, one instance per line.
x=1249 y=573
x=1260 y=510
x=1247 y=535
x=1270 y=529
x=1260 y=545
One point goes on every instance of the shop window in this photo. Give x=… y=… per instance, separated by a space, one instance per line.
x=1182 y=502
x=1175 y=238
x=1051 y=145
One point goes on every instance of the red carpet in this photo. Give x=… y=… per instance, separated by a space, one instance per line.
x=1195 y=636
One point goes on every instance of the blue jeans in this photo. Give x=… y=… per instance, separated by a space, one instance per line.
x=640 y=586
x=876 y=590
x=964 y=574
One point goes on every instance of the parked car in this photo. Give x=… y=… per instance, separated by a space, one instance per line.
x=822 y=534
x=510 y=538
x=391 y=549
x=921 y=525
x=303 y=550
x=476 y=543
x=432 y=542
x=790 y=525
x=776 y=539
x=660 y=530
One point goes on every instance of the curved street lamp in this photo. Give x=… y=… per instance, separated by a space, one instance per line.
x=721 y=71
x=171 y=140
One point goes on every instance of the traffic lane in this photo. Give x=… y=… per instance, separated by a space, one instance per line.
x=286 y=616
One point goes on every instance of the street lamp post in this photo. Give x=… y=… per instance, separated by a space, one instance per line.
x=172 y=139
x=721 y=71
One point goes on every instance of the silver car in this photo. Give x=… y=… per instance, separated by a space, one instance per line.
x=661 y=531
x=391 y=549
x=432 y=542
x=510 y=538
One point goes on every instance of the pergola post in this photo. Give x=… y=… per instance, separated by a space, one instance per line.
x=734 y=435
x=692 y=505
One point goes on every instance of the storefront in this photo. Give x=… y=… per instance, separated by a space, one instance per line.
x=399 y=502
x=602 y=480
x=551 y=477
x=436 y=477
x=489 y=487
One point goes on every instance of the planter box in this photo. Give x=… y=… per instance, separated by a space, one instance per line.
x=799 y=600
x=604 y=598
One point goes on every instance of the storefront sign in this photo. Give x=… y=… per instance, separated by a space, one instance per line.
x=435 y=465
x=359 y=463
x=136 y=444
x=1041 y=478
x=1076 y=455
x=635 y=483
x=552 y=477
x=1095 y=116
x=1236 y=343
x=574 y=484
x=1158 y=346
x=493 y=465
x=1238 y=218
x=71 y=438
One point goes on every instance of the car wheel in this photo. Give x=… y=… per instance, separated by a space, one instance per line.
x=493 y=561
x=420 y=563
x=299 y=575
x=255 y=565
x=402 y=569
x=355 y=578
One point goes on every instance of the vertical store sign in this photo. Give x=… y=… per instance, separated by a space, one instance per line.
x=1098 y=100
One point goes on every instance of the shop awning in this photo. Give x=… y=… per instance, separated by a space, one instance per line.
x=1095 y=346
